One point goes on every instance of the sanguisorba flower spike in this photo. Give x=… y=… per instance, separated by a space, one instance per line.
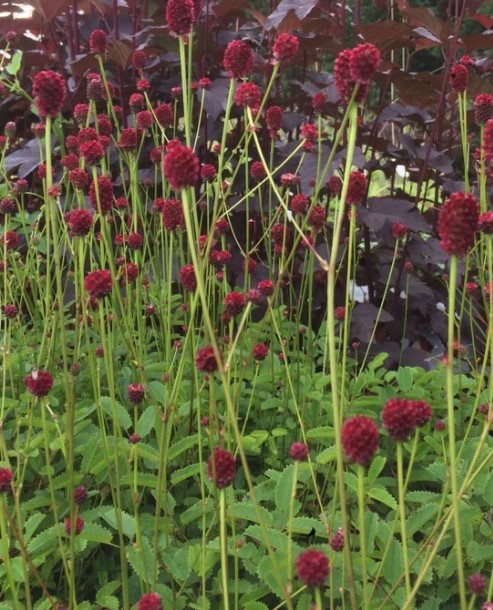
x=458 y=223
x=180 y=16
x=49 y=90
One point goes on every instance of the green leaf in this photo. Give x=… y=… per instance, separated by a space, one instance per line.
x=146 y=421
x=423 y=497
x=142 y=560
x=327 y=455
x=114 y=408
x=96 y=533
x=202 y=563
x=405 y=378
x=284 y=488
x=320 y=433
x=31 y=525
x=14 y=64
x=376 y=468
x=181 y=446
x=271 y=576
x=304 y=525
x=44 y=542
x=185 y=473
x=278 y=540
x=394 y=564
x=417 y=519
x=383 y=496
x=245 y=510
x=128 y=522
x=255 y=606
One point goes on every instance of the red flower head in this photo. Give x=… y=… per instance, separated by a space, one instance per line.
x=97 y=42
x=257 y=171
x=80 y=494
x=136 y=393
x=10 y=310
x=299 y=203
x=340 y=313
x=335 y=186
x=86 y=134
x=360 y=439
x=337 y=541
x=49 y=90
x=136 y=102
x=144 y=119
x=319 y=102
x=98 y=283
x=234 y=302
x=485 y=222
x=364 y=62
x=91 y=151
x=457 y=223
x=6 y=477
x=38 y=382
x=248 y=94
x=10 y=240
x=266 y=288
x=260 y=351
x=343 y=80
x=312 y=567
x=316 y=219
x=150 y=601
x=79 y=526
x=187 y=278
x=70 y=161
x=477 y=584
x=164 y=115
x=105 y=127
x=129 y=139
x=135 y=240
x=238 y=59
x=79 y=222
x=180 y=16
x=95 y=89
x=285 y=47
x=79 y=179
x=172 y=214
x=105 y=191
x=207 y=172
x=180 y=165
x=399 y=418
x=129 y=273
x=221 y=467
x=80 y=113
x=139 y=59
x=483 y=108
x=356 y=188
x=422 y=412
x=459 y=77
x=299 y=452
x=205 y=360
x=273 y=118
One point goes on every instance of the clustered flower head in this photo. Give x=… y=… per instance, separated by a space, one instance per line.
x=6 y=476
x=150 y=601
x=248 y=95
x=399 y=418
x=285 y=47
x=39 y=382
x=221 y=467
x=355 y=67
x=171 y=213
x=238 y=59
x=234 y=302
x=180 y=16
x=457 y=223
x=79 y=222
x=187 y=278
x=273 y=119
x=459 y=77
x=337 y=541
x=477 y=584
x=164 y=114
x=205 y=360
x=298 y=451
x=356 y=188
x=483 y=108
x=312 y=567
x=180 y=165
x=485 y=222
x=260 y=352
x=136 y=393
x=360 y=438
x=98 y=283
x=49 y=90
x=97 y=42
x=79 y=525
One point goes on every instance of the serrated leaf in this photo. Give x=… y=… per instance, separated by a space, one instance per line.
x=128 y=522
x=304 y=525
x=255 y=606
x=284 y=488
x=326 y=456
x=148 y=452
x=195 y=511
x=393 y=565
x=274 y=574
x=142 y=560
x=185 y=473
x=14 y=64
x=31 y=525
x=181 y=446
x=44 y=542
x=479 y=552
x=244 y=510
x=93 y=532
x=107 y=590
x=383 y=496
x=146 y=421
x=322 y=432
x=417 y=519
x=202 y=563
x=114 y=408
x=423 y=497
x=376 y=468
x=278 y=540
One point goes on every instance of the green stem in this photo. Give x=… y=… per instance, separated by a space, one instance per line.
x=362 y=534
x=402 y=517
x=224 y=546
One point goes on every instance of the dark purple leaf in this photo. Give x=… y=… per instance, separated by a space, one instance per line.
x=301 y=10
x=363 y=320
x=382 y=210
x=216 y=97
x=26 y=159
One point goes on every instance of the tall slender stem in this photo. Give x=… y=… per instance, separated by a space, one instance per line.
x=402 y=518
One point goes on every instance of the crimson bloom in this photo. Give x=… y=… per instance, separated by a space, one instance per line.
x=180 y=165
x=457 y=223
x=97 y=42
x=6 y=476
x=285 y=47
x=221 y=467
x=79 y=222
x=98 y=283
x=360 y=437
x=238 y=59
x=49 y=90
x=39 y=382
x=205 y=360
x=180 y=16
x=150 y=601
x=312 y=567
x=399 y=418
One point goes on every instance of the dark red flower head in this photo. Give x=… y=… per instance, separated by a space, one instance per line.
x=172 y=214
x=208 y=172
x=364 y=62
x=49 y=90
x=356 y=188
x=238 y=59
x=273 y=118
x=485 y=222
x=266 y=288
x=257 y=171
x=97 y=42
x=6 y=477
x=164 y=114
x=136 y=393
x=312 y=567
x=299 y=452
x=248 y=94
x=79 y=222
x=319 y=102
x=234 y=302
x=180 y=16
x=337 y=541
x=285 y=47
x=136 y=102
x=180 y=165
x=38 y=382
x=360 y=437
x=221 y=467
x=399 y=418
x=422 y=412
x=150 y=601
x=80 y=494
x=91 y=151
x=260 y=351
x=139 y=59
x=459 y=77
x=483 y=108
x=316 y=218
x=457 y=223
x=299 y=203
x=98 y=283
x=79 y=179
x=187 y=278
x=129 y=139
x=343 y=81
x=79 y=526
x=477 y=584
x=104 y=190
x=144 y=119
x=205 y=360
x=335 y=186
